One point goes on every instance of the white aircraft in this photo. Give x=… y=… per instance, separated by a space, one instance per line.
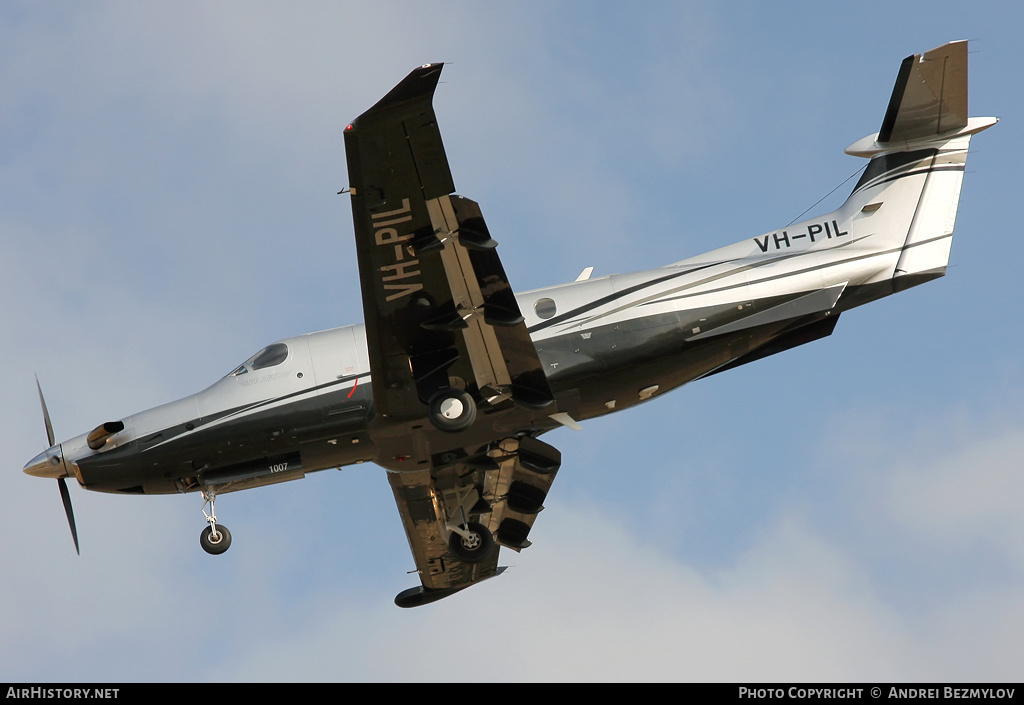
x=452 y=379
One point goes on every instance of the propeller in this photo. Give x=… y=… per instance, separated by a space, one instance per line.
x=65 y=495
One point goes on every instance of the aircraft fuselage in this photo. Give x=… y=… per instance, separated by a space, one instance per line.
x=606 y=344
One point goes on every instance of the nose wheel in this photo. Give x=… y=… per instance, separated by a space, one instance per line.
x=215 y=538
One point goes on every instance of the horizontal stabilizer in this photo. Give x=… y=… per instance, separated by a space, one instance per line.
x=815 y=302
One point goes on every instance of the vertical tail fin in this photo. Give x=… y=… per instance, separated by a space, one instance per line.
x=911 y=188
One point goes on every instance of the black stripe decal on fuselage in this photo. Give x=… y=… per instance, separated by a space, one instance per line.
x=951 y=167
x=612 y=297
x=660 y=297
x=229 y=413
x=316 y=388
x=890 y=163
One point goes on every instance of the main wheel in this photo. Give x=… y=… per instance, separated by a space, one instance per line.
x=452 y=410
x=215 y=544
x=476 y=547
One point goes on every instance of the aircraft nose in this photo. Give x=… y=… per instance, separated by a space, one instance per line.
x=49 y=463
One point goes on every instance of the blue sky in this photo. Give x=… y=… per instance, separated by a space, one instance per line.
x=847 y=511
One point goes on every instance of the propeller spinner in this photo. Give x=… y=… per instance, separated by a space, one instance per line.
x=50 y=463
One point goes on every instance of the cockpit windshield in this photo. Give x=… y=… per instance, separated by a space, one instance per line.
x=267 y=357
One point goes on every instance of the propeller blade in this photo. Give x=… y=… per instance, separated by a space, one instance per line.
x=66 y=496
x=46 y=414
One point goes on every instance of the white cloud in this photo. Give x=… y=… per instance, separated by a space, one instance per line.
x=969 y=499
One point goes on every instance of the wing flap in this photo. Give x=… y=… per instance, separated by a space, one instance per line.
x=498 y=344
x=480 y=343
x=516 y=491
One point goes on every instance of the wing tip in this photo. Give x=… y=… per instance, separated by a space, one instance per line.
x=419 y=84
x=422 y=595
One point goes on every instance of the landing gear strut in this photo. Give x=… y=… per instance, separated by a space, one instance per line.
x=215 y=538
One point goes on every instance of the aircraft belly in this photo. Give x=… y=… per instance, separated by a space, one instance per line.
x=630 y=383
x=616 y=365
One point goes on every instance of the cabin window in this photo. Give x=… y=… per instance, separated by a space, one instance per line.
x=544 y=308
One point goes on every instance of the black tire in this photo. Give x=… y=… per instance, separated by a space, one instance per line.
x=452 y=410
x=477 y=548
x=215 y=546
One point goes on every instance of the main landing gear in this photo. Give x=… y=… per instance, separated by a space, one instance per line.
x=215 y=538
x=471 y=543
x=452 y=410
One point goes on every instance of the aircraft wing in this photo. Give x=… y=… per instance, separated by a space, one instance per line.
x=441 y=316
x=436 y=299
x=504 y=490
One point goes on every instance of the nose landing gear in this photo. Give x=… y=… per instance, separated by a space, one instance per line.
x=215 y=539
